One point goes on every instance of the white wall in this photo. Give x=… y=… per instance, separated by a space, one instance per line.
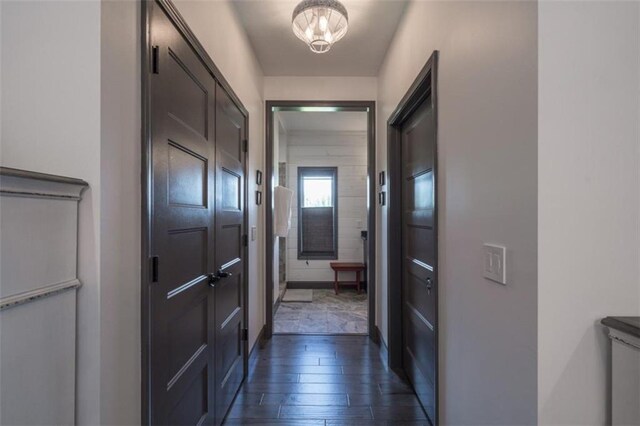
x=120 y=152
x=487 y=182
x=588 y=191
x=38 y=251
x=348 y=152
x=217 y=27
x=282 y=147
x=279 y=156
x=320 y=88
x=51 y=123
x=278 y=132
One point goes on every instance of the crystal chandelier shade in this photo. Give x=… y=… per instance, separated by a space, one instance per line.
x=320 y=23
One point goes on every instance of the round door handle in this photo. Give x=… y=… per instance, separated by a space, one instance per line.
x=222 y=274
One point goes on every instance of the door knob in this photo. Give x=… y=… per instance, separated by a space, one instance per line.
x=222 y=274
x=213 y=278
x=428 y=286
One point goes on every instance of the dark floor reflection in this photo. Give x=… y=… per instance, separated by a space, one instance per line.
x=323 y=380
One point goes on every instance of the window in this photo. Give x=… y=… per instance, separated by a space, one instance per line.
x=317 y=213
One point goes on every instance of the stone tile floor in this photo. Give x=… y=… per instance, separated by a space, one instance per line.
x=345 y=313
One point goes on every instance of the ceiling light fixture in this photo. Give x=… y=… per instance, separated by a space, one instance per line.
x=320 y=23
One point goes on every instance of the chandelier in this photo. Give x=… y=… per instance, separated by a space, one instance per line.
x=320 y=23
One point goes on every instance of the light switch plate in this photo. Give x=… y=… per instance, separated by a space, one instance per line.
x=254 y=232
x=495 y=263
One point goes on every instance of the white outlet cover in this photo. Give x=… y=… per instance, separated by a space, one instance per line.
x=495 y=263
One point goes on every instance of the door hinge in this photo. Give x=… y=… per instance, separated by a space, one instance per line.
x=245 y=240
x=245 y=334
x=155 y=60
x=245 y=145
x=154 y=269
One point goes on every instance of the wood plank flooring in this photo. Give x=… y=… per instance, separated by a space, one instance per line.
x=323 y=380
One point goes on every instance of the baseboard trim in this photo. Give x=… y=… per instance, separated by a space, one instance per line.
x=383 y=344
x=384 y=350
x=316 y=285
x=384 y=355
x=376 y=335
x=309 y=285
x=249 y=364
x=258 y=343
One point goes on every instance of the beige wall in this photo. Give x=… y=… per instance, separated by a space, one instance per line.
x=487 y=182
x=588 y=189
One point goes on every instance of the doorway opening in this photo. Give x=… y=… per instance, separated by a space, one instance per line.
x=320 y=220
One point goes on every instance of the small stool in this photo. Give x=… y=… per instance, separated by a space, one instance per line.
x=346 y=267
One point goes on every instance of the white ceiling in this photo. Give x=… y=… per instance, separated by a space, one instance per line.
x=372 y=24
x=344 y=121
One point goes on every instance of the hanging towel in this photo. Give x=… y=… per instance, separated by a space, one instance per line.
x=282 y=210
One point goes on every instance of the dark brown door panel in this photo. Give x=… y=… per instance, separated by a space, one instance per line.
x=419 y=254
x=182 y=101
x=230 y=164
x=196 y=227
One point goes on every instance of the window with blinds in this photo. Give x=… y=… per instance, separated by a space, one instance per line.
x=317 y=213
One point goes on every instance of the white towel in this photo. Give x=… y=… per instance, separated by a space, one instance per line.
x=282 y=210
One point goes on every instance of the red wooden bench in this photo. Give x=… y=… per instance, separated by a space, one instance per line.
x=346 y=267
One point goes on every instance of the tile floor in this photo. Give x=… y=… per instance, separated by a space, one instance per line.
x=345 y=313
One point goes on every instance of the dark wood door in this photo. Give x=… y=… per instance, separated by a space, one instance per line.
x=419 y=254
x=230 y=158
x=195 y=300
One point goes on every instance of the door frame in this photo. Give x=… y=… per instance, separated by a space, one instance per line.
x=147 y=185
x=423 y=86
x=364 y=106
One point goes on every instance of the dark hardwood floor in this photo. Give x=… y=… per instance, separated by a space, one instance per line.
x=323 y=380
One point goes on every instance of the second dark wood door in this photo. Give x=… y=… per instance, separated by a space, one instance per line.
x=419 y=255
x=229 y=219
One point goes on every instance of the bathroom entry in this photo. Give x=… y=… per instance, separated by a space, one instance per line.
x=320 y=277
